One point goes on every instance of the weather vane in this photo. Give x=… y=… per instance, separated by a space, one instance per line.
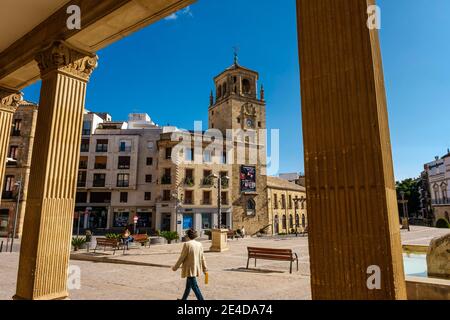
x=236 y=52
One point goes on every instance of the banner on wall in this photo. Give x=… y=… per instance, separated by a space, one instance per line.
x=248 y=179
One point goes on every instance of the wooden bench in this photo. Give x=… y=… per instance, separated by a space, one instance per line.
x=272 y=254
x=142 y=239
x=112 y=243
x=231 y=234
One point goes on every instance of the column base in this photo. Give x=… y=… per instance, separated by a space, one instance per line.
x=55 y=296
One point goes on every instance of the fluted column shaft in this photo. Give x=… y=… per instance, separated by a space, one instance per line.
x=46 y=241
x=9 y=100
x=352 y=209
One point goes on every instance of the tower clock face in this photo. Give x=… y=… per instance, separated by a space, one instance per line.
x=249 y=123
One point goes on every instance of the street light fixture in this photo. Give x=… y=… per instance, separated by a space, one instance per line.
x=219 y=194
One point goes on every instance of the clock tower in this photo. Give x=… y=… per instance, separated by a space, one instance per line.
x=238 y=107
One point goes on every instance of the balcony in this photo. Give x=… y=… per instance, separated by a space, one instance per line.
x=166 y=179
x=225 y=183
x=125 y=149
x=189 y=181
x=206 y=202
x=207 y=182
x=123 y=184
x=440 y=201
x=189 y=201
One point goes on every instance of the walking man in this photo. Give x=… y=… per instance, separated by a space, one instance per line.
x=193 y=264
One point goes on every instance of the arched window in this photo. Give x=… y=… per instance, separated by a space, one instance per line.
x=291 y=221
x=303 y=221
x=297 y=220
x=246 y=87
x=224 y=89
x=251 y=205
x=283 y=222
x=276 y=224
x=219 y=92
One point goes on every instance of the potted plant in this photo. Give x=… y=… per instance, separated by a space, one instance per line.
x=170 y=236
x=78 y=243
x=189 y=181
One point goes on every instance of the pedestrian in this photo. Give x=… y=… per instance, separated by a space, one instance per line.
x=193 y=264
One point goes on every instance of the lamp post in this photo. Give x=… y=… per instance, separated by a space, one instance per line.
x=296 y=201
x=405 y=209
x=18 y=184
x=219 y=195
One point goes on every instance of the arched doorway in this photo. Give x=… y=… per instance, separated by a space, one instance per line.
x=276 y=225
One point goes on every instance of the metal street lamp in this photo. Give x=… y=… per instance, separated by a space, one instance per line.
x=18 y=184
x=219 y=195
x=296 y=201
x=405 y=208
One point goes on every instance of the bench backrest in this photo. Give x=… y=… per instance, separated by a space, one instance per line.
x=104 y=241
x=138 y=237
x=269 y=252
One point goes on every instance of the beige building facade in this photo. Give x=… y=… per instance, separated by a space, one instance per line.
x=287 y=206
x=17 y=172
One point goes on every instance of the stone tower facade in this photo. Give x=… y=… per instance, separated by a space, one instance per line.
x=239 y=112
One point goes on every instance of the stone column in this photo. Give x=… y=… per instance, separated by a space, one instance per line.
x=9 y=101
x=352 y=208
x=46 y=241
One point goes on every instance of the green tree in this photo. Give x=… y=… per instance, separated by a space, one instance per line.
x=410 y=187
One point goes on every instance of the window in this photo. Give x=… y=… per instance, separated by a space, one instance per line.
x=9 y=187
x=16 y=127
x=85 y=145
x=246 y=87
x=123 y=180
x=206 y=220
x=167 y=176
x=291 y=221
x=121 y=219
x=148 y=178
x=224 y=198
x=102 y=146
x=284 y=222
x=251 y=207
x=297 y=220
x=13 y=151
x=123 y=197
x=275 y=201
x=207 y=178
x=81 y=197
x=206 y=197
x=166 y=195
x=100 y=197
x=86 y=128
x=125 y=146
x=259 y=124
x=189 y=154
x=81 y=182
x=238 y=120
x=83 y=163
x=168 y=153
x=283 y=201
x=148 y=196
x=124 y=163
x=207 y=156
x=99 y=180
x=188 y=197
x=224 y=89
x=100 y=163
x=224 y=157
x=149 y=161
x=290 y=202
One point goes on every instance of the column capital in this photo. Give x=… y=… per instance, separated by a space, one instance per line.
x=10 y=99
x=65 y=58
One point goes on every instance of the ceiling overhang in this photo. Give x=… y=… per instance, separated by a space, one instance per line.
x=102 y=23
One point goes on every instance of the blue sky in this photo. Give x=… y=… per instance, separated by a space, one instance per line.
x=167 y=69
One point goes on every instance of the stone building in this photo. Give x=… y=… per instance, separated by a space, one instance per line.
x=287 y=206
x=117 y=173
x=18 y=167
x=438 y=172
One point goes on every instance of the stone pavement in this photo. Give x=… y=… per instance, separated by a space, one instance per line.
x=229 y=280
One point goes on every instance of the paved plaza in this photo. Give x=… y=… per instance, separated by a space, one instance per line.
x=146 y=274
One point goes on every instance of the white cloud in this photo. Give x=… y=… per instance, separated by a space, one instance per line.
x=183 y=12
